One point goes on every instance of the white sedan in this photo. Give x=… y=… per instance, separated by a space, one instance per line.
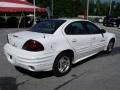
x=56 y=44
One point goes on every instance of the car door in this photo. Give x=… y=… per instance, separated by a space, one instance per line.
x=79 y=39
x=98 y=39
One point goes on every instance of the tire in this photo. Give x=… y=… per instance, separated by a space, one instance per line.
x=104 y=24
x=110 y=46
x=117 y=25
x=112 y=25
x=107 y=25
x=62 y=64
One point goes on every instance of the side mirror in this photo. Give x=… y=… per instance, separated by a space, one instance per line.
x=102 y=31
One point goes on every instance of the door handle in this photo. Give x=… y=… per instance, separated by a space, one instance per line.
x=74 y=40
x=94 y=38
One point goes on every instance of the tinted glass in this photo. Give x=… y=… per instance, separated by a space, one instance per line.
x=75 y=28
x=48 y=26
x=92 y=29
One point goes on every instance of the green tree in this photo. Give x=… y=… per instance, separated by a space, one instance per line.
x=92 y=7
x=116 y=11
x=73 y=8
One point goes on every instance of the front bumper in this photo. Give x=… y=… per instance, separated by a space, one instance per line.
x=33 y=61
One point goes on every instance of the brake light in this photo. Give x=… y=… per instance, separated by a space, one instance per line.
x=33 y=45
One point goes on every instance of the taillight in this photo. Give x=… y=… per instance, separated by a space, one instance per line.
x=33 y=45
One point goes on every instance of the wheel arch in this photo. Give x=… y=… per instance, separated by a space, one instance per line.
x=113 y=39
x=71 y=52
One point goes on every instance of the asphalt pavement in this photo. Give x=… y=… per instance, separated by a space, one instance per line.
x=100 y=72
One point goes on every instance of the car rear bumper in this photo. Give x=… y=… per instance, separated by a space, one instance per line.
x=33 y=61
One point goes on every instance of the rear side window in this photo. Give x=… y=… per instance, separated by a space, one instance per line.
x=75 y=28
x=48 y=26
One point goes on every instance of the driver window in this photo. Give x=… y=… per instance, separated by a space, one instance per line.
x=75 y=28
x=92 y=29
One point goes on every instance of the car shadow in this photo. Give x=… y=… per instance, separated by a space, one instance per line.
x=38 y=75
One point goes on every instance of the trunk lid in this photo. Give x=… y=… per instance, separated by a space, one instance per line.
x=18 y=39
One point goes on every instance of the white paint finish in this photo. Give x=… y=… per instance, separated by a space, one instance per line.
x=98 y=42
x=83 y=47
x=81 y=44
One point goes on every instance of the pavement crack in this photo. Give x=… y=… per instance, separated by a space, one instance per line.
x=19 y=80
x=67 y=82
x=22 y=83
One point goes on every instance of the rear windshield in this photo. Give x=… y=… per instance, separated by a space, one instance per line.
x=47 y=26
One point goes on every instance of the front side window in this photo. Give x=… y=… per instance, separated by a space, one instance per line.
x=75 y=28
x=48 y=26
x=92 y=29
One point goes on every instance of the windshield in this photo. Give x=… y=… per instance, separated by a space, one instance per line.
x=48 y=26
